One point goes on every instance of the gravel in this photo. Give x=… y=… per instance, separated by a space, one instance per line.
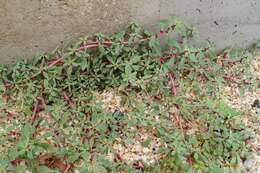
x=249 y=104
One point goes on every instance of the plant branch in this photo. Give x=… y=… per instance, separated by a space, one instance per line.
x=35 y=112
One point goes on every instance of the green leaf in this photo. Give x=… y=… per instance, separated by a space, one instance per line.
x=73 y=156
x=43 y=169
x=173 y=43
x=164 y=23
x=193 y=58
x=135 y=59
x=257 y=45
x=20 y=168
x=25 y=138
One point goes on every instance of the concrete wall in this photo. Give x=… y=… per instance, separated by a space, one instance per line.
x=30 y=26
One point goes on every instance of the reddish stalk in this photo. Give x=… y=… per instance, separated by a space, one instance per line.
x=107 y=44
x=6 y=85
x=55 y=62
x=165 y=58
x=249 y=142
x=119 y=157
x=15 y=162
x=92 y=45
x=82 y=139
x=67 y=168
x=67 y=99
x=172 y=83
x=15 y=133
x=35 y=113
x=138 y=165
x=175 y=55
x=190 y=160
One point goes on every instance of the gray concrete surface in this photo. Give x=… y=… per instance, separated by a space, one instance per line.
x=30 y=26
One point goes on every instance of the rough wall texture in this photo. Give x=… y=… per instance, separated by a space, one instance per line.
x=30 y=26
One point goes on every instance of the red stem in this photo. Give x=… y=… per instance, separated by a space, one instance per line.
x=15 y=162
x=107 y=44
x=172 y=83
x=165 y=58
x=35 y=113
x=95 y=44
x=53 y=63
x=190 y=160
x=67 y=99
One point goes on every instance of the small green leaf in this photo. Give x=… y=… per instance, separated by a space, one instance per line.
x=43 y=169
